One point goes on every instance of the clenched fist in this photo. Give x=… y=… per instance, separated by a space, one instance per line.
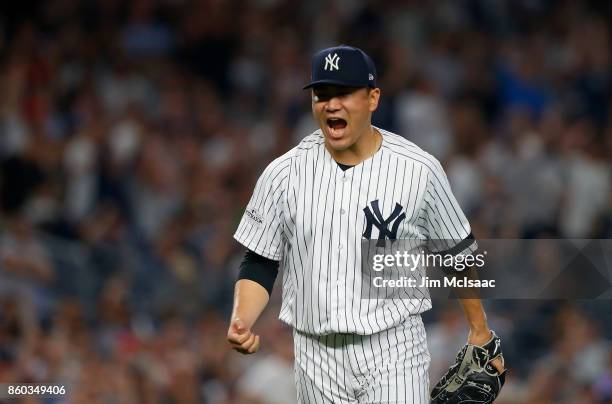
x=241 y=338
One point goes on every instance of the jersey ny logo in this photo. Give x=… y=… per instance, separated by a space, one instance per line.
x=331 y=61
x=375 y=218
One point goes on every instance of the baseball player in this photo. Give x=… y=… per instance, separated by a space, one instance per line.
x=311 y=209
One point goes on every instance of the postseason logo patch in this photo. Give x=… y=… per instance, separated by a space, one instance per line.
x=254 y=216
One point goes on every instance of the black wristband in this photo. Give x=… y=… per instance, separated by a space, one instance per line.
x=259 y=269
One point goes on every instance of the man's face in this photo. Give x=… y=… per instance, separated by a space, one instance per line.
x=343 y=113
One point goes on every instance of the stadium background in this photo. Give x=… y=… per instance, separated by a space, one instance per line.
x=132 y=133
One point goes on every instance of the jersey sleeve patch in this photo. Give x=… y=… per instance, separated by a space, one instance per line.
x=254 y=216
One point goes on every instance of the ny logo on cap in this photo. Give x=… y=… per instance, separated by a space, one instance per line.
x=331 y=61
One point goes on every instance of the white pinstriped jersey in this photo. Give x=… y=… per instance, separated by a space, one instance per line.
x=311 y=215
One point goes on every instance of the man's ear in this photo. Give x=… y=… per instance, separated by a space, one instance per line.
x=373 y=97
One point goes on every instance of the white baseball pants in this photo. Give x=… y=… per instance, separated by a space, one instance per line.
x=388 y=367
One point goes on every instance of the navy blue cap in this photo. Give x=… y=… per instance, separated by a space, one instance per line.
x=342 y=66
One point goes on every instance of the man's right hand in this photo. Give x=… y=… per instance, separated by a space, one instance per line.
x=241 y=338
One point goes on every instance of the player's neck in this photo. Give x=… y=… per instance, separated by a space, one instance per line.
x=367 y=145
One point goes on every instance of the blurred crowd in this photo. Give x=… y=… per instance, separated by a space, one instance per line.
x=132 y=134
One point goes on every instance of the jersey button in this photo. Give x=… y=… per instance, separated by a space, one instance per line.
x=342 y=211
x=340 y=247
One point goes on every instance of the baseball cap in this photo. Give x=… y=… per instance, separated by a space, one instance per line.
x=342 y=66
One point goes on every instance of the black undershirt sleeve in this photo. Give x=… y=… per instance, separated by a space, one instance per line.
x=259 y=269
x=461 y=246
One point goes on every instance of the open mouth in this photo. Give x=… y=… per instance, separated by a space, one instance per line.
x=336 y=124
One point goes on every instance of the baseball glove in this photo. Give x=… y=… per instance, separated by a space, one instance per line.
x=472 y=378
